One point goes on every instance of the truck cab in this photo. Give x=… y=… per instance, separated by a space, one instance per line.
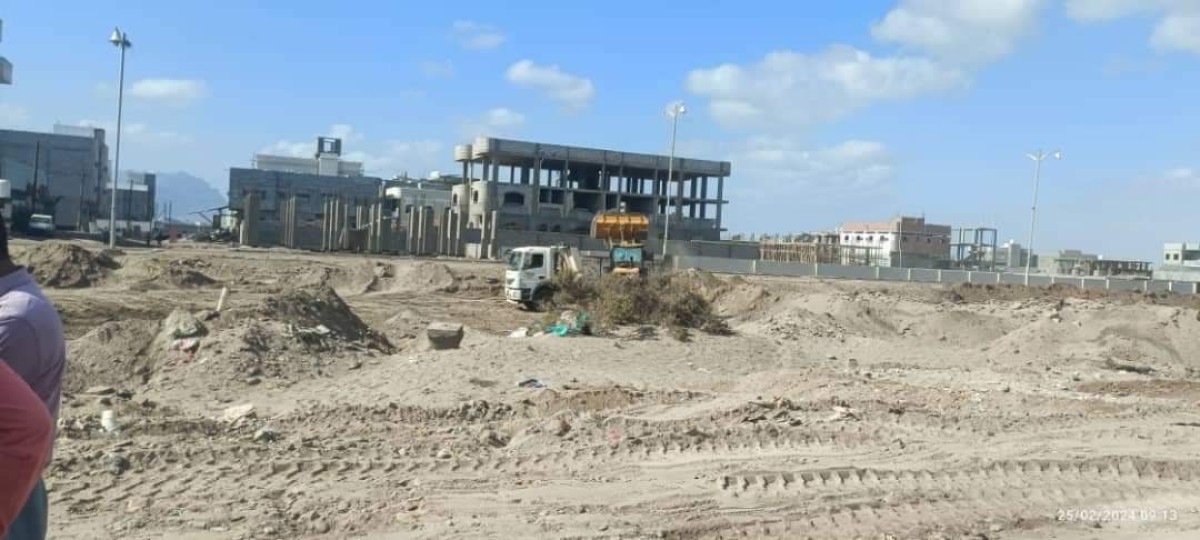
x=530 y=269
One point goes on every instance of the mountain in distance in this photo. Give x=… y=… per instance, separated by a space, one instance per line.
x=188 y=194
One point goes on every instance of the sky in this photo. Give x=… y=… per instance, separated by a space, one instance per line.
x=828 y=111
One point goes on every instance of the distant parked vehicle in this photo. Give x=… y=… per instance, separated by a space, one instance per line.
x=41 y=225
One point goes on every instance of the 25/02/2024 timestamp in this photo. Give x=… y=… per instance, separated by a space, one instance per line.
x=1117 y=514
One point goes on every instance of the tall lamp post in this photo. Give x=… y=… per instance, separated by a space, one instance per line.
x=1037 y=177
x=674 y=110
x=119 y=40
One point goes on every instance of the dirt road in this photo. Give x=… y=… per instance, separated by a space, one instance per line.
x=836 y=410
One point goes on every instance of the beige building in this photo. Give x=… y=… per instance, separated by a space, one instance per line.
x=902 y=242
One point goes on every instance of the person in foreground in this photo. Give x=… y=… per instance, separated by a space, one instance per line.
x=26 y=433
x=32 y=344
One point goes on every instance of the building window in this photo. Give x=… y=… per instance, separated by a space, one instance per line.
x=847 y=238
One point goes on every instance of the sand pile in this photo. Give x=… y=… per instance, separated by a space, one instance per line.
x=426 y=277
x=174 y=274
x=320 y=319
x=65 y=266
x=116 y=353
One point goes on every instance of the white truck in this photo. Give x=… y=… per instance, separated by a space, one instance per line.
x=531 y=269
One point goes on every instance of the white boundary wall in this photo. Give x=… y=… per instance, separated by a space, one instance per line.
x=925 y=275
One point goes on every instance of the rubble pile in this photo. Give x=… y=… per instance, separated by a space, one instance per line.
x=65 y=266
x=319 y=318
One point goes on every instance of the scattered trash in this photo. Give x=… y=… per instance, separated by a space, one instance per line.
x=842 y=413
x=238 y=413
x=108 y=421
x=100 y=390
x=532 y=383
x=519 y=333
x=568 y=323
x=221 y=299
x=266 y=434
x=188 y=345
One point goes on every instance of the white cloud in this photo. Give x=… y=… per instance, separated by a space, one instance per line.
x=572 y=91
x=1181 y=177
x=500 y=121
x=785 y=166
x=13 y=116
x=1178 y=32
x=473 y=35
x=437 y=69
x=963 y=31
x=1178 y=28
x=168 y=91
x=787 y=89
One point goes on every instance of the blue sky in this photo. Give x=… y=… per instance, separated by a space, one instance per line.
x=829 y=111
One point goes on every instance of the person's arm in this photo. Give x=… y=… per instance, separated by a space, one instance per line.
x=26 y=433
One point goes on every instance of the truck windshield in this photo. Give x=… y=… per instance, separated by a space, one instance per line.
x=514 y=260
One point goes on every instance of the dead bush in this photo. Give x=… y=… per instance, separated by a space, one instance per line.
x=674 y=301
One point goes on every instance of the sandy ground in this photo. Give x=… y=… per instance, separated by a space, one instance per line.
x=837 y=410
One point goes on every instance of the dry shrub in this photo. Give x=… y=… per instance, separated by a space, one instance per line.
x=674 y=301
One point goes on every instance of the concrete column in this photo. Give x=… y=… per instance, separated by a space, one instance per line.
x=484 y=232
x=620 y=178
x=720 y=199
x=486 y=170
x=410 y=239
x=679 y=198
x=564 y=178
x=704 y=195
x=495 y=170
x=493 y=220
x=692 y=205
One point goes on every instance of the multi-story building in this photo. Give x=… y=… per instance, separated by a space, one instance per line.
x=1180 y=262
x=907 y=242
x=311 y=180
x=1074 y=262
x=136 y=203
x=60 y=174
x=555 y=188
x=5 y=65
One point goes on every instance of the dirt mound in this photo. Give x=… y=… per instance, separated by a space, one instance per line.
x=65 y=266
x=174 y=274
x=115 y=353
x=320 y=318
x=971 y=293
x=426 y=277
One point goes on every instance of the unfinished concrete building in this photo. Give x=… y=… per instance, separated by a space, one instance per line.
x=907 y=242
x=554 y=188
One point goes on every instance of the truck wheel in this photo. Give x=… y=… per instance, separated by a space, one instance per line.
x=541 y=298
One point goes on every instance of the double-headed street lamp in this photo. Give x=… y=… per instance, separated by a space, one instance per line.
x=674 y=110
x=119 y=40
x=1037 y=177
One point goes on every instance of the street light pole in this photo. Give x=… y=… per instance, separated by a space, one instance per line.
x=1037 y=177
x=675 y=110
x=120 y=40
